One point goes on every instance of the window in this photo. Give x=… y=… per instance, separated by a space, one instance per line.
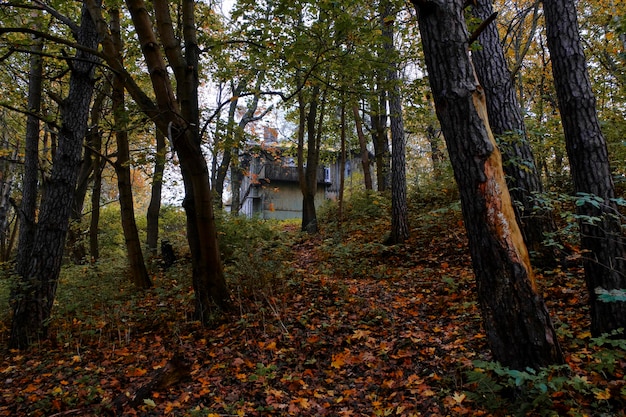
x=326 y=174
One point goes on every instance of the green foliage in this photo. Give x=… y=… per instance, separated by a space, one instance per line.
x=354 y=240
x=533 y=392
x=253 y=252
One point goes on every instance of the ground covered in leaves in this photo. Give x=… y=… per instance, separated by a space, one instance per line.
x=336 y=324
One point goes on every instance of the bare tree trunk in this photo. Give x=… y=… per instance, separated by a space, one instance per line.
x=7 y=176
x=381 y=142
x=515 y=317
x=601 y=239
x=342 y=162
x=94 y=221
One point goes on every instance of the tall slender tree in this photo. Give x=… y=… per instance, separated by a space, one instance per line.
x=399 y=209
x=138 y=270
x=515 y=317
x=154 y=207
x=507 y=125
x=32 y=303
x=28 y=206
x=600 y=228
x=176 y=113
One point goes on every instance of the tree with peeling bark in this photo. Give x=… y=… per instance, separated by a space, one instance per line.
x=515 y=317
x=599 y=222
x=507 y=125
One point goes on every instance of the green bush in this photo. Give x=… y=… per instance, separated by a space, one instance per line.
x=254 y=252
x=555 y=390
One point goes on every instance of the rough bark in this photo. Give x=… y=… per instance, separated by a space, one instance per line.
x=28 y=205
x=138 y=271
x=515 y=318
x=399 y=209
x=154 y=208
x=588 y=157
x=87 y=166
x=508 y=126
x=33 y=302
x=94 y=221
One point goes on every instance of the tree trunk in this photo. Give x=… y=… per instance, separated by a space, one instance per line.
x=179 y=117
x=436 y=154
x=33 y=302
x=94 y=250
x=365 y=159
x=381 y=142
x=138 y=270
x=154 y=208
x=235 y=185
x=588 y=157
x=399 y=209
x=308 y=181
x=507 y=125
x=86 y=166
x=228 y=145
x=7 y=176
x=28 y=205
x=342 y=159
x=516 y=320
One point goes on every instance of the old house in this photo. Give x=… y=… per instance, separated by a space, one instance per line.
x=270 y=186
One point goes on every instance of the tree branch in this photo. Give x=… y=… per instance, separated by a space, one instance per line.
x=474 y=36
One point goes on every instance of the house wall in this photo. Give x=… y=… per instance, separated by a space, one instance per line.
x=281 y=201
x=271 y=189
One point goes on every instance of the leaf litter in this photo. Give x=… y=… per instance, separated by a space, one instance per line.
x=394 y=338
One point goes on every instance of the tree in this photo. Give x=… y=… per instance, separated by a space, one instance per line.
x=600 y=228
x=399 y=209
x=365 y=159
x=138 y=270
x=176 y=113
x=28 y=206
x=34 y=298
x=507 y=125
x=154 y=208
x=310 y=127
x=7 y=178
x=516 y=320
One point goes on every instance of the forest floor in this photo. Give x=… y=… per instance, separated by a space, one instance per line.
x=346 y=327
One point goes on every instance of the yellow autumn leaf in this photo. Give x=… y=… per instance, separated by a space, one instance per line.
x=603 y=395
x=458 y=397
x=337 y=361
x=149 y=402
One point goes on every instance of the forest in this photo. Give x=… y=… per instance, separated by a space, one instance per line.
x=315 y=207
